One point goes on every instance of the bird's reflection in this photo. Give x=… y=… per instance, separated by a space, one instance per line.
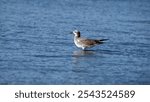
x=81 y=57
x=83 y=53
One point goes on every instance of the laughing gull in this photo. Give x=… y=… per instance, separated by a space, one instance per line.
x=84 y=42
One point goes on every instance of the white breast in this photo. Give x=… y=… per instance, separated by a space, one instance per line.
x=77 y=42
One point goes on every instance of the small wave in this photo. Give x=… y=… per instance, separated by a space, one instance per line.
x=136 y=21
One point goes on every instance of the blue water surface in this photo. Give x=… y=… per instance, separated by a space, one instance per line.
x=36 y=46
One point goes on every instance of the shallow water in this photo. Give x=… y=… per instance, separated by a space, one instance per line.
x=36 y=46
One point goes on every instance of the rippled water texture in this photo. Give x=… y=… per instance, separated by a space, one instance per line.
x=36 y=46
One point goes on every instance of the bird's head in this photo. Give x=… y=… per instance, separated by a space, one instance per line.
x=76 y=33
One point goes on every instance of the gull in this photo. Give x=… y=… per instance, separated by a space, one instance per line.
x=84 y=43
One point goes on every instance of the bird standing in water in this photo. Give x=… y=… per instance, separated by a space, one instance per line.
x=84 y=42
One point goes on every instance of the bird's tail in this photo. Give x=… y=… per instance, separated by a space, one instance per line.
x=101 y=41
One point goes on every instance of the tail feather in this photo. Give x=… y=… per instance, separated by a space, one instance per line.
x=100 y=41
x=103 y=39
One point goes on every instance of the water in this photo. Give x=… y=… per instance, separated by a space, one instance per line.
x=36 y=46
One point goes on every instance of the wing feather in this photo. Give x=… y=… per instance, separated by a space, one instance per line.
x=88 y=41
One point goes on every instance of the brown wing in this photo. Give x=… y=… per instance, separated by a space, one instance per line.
x=89 y=41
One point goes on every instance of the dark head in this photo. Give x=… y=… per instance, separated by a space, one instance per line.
x=76 y=33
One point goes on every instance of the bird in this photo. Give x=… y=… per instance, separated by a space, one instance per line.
x=85 y=43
